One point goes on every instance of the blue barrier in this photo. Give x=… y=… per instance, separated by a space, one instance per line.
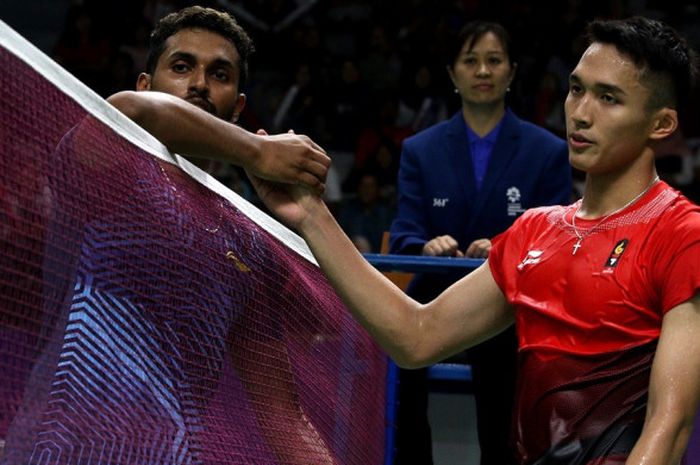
x=440 y=372
x=450 y=372
x=420 y=264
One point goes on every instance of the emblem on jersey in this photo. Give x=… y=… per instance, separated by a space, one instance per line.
x=532 y=258
x=513 y=196
x=616 y=254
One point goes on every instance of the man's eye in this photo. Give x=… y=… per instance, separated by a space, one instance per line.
x=180 y=67
x=221 y=75
x=574 y=89
x=609 y=99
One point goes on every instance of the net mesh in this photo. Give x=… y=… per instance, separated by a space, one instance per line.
x=146 y=320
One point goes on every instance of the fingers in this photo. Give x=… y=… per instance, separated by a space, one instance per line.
x=320 y=155
x=480 y=248
x=314 y=145
x=312 y=182
x=315 y=163
x=314 y=168
x=293 y=158
x=441 y=246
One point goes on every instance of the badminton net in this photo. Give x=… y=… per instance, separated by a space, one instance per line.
x=150 y=316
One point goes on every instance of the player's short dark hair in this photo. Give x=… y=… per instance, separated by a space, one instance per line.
x=669 y=67
x=471 y=33
x=197 y=17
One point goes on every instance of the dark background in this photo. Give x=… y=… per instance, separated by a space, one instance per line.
x=363 y=68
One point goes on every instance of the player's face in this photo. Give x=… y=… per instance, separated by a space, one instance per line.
x=201 y=67
x=482 y=75
x=607 y=122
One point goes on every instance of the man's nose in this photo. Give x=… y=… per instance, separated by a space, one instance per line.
x=198 y=79
x=580 y=112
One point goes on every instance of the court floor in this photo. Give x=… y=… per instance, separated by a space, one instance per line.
x=453 y=423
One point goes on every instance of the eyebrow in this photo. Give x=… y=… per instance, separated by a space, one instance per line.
x=191 y=58
x=599 y=86
x=488 y=52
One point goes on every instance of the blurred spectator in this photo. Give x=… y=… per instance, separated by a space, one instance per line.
x=82 y=48
x=421 y=105
x=367 y=215
x=548 y=109
x=269 y=15
x=120 y=74
x=379 y=145
x=136 y=42
x=154 y=10
x=381 y=65
x=300 y=107
x=675 y=163
x=347 y=106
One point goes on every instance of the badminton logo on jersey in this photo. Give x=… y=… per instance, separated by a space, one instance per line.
x=532 y=258
x=616 y=255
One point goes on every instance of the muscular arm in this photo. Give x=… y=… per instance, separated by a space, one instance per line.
x=189 y=130
x=414 y=335
x=674 y=389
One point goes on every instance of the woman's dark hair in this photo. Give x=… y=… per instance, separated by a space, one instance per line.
x=470 y=35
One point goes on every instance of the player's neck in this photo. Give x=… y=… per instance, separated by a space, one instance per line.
x=605 y=194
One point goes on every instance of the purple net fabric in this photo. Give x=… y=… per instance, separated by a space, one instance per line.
x=145 y=319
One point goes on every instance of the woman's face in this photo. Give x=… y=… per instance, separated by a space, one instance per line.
x=483 y=73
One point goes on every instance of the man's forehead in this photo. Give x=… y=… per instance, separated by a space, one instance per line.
x=605 y=63
x=201 y=44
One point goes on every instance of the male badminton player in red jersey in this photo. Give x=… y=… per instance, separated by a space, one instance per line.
x=199 y=55
x=603 y=293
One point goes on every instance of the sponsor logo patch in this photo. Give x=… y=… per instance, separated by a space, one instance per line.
x=532 y=258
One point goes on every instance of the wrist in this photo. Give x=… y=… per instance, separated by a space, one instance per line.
x=251 y=150
x=317 y=216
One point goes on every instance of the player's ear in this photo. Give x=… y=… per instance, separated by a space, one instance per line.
x=240 y=104
x=143 y=82
x=664 y=124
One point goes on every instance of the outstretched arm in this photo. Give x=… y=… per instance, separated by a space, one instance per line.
x=189 y=130
x=414 y=335
x=674 y=389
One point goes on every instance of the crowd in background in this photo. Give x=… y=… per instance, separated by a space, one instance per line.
x=359 y=76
